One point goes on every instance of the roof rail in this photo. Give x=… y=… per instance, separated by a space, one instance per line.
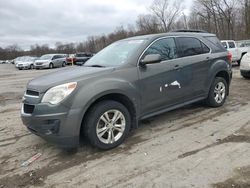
x=190 y=31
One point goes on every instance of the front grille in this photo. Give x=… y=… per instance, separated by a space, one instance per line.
x=28 y=109
x=39 y=63
x=31 y=92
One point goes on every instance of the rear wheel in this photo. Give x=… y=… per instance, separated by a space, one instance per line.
x=31 y=66
x=107 y=124
x=51 y=66
x=63 y=64
x=218 y=92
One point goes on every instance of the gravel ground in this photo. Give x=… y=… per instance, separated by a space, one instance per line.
x=194 y=146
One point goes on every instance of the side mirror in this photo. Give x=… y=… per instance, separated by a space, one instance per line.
x=150 y=59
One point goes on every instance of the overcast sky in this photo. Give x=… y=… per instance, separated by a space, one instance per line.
x=27 y=22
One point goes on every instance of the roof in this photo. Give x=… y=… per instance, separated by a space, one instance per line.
x=178 y=33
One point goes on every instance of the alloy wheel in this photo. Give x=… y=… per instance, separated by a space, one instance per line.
x=111 y=126
x=219 y=92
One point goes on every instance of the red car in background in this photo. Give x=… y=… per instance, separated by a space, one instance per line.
x=78 y=58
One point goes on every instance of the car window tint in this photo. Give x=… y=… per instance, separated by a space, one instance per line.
x=224 y=44
x=164 y=47
x=231 y=44
x=205 y=48
x=216 y=42
x=191 y=46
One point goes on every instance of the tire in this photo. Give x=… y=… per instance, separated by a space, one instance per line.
x=217 y=93
x=95 y=121
x=31 y=66
x=63 y=64
x=51 y=66
x=245 y=76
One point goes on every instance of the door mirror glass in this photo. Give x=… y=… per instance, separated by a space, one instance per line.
x=151 y=58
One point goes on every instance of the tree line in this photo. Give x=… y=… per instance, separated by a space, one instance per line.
x=228 y=19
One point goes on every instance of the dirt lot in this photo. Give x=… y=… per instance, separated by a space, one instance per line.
x=194 y=146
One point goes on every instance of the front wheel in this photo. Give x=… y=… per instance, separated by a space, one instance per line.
x=218 y=92
x=31 y=66
x=51 y=66
x=107 y=124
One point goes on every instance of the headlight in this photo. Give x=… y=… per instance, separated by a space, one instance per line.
x=56 y=94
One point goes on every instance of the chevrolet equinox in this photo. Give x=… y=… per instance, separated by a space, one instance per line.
x=130 y=80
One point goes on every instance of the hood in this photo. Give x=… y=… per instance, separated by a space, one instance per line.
x=71 y=74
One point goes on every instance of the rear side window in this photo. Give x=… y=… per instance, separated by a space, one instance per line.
x=216 y=42
x=205 y=48
x=165 y=47
x=191 y=46
x=231 y=44
x=224 y=44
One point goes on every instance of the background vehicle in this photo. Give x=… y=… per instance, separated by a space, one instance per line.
x=243 y=43
x=237 y=52
x=130 y=80
x=19 y=59
x=245 y=65
x=79 y=58
x=51 y=61
x=25 y=62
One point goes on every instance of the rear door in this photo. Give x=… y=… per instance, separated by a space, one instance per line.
x=195 y=63
x=56 y=60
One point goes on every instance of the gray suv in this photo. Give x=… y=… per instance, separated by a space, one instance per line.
x=128 y=81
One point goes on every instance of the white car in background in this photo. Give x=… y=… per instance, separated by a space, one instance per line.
x=245 y=65
x=25 y=62
x=51 y=61
x=236 y=51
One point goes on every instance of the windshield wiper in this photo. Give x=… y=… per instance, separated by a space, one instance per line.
x=95 y=66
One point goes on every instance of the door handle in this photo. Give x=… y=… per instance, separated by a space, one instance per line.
x=177 y=67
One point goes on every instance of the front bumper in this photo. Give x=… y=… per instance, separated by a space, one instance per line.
x=43 y=66
x=56 y=124
x=23 y=66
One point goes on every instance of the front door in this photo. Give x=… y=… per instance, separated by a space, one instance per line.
x=160 y=83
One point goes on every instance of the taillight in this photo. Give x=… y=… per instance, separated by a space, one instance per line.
x=230 y=57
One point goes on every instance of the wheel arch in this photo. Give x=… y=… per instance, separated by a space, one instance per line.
x=115 y=96
x=224 y=74
x=219 y=68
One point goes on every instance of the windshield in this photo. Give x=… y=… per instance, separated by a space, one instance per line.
x=115 y=54
x=24 y=58
x=46 y=57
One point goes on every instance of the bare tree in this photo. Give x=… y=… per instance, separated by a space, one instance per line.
x=147 y=24
x=167 y=12
x=216 y=16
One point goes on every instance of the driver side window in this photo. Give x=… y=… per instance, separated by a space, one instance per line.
x=165 y=47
